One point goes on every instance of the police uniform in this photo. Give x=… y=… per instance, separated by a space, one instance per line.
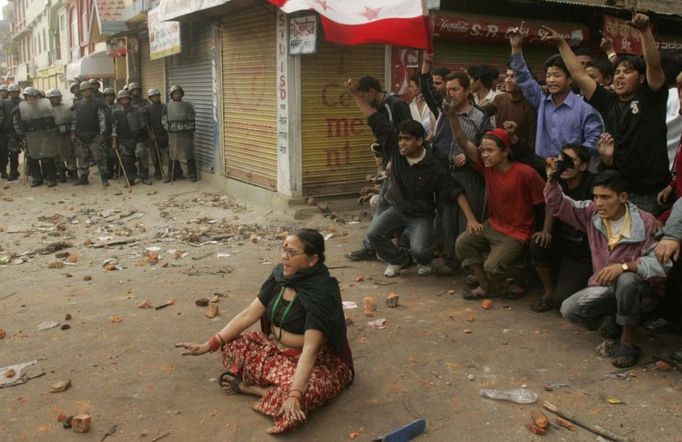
x=89 y=126
x=153 y=113
x=179 y=120
x=63 y=119
x=13 y=141
x=34 y=124
x=4 y=129
x=130 y=132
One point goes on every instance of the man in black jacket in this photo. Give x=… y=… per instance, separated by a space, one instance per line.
x=417 y=180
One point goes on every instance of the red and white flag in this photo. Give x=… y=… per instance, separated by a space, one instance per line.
x=353 y=22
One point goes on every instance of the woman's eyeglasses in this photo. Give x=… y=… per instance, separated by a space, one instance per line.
x=290 y=253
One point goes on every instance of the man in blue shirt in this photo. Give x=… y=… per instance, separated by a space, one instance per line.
x=563 y=116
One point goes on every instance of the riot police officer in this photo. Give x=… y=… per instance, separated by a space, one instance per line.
x=34 y=123
x=63 y=118
x=136 y=98
x=87 y=130
x=129 y=135
x=153 y=113
x=4 y=129
x=179 y=121
x=109 y=105
x=13 y=141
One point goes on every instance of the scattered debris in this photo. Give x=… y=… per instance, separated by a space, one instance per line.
x=165 y=304
x=67 y=422
x=10 y=373
x=564 y=423
x=539 y=422
x=212 y=311
x=110 y=432
x=56 y=265
x=349 y=305
x=470 y=377
x=87 y=278
x=21 y=374
x=596 y=429
x=663 y=366
x=65 y=327
x=369 y=306
x=201 y=302
x=156 y=439
x=359 y=278
x=348 y=318
x=486 y=304
x=519 y=395
x=378 y=323
x=613 y=400
x=53 y=247
x=3 y=333
x=81 y=423
x=392 y=300
x=145 y=304
x=47 y=325
x=404 y=433
x=67 y=317
x=60 y=386
x=115 y=319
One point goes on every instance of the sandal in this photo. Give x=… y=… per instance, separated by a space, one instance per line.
x=234 y=382
x=542 y=305
x=626 y=356
x=514 y=292
x=477 y=294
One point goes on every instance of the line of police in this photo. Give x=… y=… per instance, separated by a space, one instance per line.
x=121 y=132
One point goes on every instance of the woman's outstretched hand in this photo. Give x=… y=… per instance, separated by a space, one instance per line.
x=193 y=349
x=291 y=409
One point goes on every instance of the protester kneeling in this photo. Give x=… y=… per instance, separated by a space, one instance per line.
x=560 y=253
x=514 y=195
x=628 y=279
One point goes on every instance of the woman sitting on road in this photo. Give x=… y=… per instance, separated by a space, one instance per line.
x=301 y=360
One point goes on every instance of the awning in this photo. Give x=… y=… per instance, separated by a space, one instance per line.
x=174 y=9
x=97 y=65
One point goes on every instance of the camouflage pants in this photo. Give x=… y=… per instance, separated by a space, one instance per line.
x=91 y=149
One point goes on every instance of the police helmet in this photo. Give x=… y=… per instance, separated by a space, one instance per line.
x=53 y=93
x=13 y=88
x=30 y=92
x=177 y=87
x=3 y=87
x=123 y=94
x=85 y=85
x=152 y=92
x=79 y=78
x=109 y=91
x=132 y=86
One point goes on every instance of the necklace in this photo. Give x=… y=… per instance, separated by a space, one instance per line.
x=284 y=315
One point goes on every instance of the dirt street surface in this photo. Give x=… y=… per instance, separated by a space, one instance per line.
x=184 y=241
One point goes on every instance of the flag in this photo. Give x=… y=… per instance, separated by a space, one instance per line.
x=353 y=22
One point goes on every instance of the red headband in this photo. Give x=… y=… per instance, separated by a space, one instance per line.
x=501 y=134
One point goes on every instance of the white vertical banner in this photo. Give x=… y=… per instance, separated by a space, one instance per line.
x=284 y=184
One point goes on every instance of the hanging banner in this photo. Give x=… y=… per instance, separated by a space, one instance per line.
x=626 y=39
x=303 y=35
x=489 y=29
x=164 y=36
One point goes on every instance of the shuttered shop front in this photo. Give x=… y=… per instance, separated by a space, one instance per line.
x=335 y=138
x=250 y=100
x=194 y=70
x=151 y=71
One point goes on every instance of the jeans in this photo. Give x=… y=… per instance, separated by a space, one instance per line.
x=381 y=207
x=628 y=298
x=452 y=219
x=417 y=229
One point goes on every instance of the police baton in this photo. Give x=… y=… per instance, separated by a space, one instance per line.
x=152 y=135
x=120 y=163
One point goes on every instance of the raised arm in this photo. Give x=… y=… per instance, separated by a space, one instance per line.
x=584 y=82
x=426 y=85
x=469 y=148
x=655 y=76
x=530 y=88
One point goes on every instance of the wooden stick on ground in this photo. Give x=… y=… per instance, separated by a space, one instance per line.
x=596 y=429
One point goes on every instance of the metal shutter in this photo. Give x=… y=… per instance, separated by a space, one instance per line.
x=335 y=137
x=194 y=70
x=250 y=97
